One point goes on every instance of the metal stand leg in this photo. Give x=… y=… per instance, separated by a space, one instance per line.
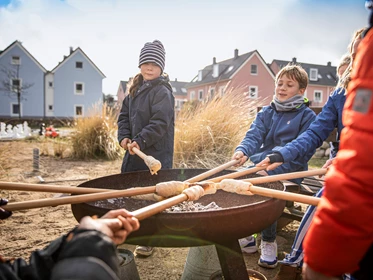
x=231 y=261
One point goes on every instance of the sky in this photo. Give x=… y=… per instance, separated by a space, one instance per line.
x=112 y=32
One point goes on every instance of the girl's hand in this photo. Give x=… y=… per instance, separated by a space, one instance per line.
x=133 y=145
x=124 y=143
x=240 y=156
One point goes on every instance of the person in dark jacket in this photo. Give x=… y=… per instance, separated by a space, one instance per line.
x=87 y=252
x=275 y=126
x=146 y=120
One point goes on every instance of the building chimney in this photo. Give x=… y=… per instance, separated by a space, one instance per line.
x=175 y=79
x=294 y=60
x=235 y=53
x=214 y=60
x=71 y=50
x=329 y=63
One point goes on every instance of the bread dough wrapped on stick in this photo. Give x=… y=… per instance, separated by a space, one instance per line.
x=153 y=164
x=194 y=192
x=235 y=186
x=171 y=188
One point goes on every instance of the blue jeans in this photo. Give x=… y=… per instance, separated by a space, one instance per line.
x=269 y=234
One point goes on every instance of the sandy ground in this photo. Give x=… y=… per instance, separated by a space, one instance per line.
x=33 y=229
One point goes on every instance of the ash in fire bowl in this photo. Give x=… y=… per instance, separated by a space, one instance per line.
x=215 y=202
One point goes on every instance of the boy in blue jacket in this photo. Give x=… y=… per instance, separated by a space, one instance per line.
x=274 y=126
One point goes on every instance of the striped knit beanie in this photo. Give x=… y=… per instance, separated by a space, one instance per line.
x=153 y=52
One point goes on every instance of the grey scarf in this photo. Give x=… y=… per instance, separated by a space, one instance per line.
x=289 y=104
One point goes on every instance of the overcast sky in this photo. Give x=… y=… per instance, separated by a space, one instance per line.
x=112 y=32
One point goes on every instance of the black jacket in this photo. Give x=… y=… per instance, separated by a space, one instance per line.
x=148 y=118
x=81 y=254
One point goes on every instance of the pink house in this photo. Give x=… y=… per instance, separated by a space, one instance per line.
x=122 y=92
x=247 y=74
x=322 y=80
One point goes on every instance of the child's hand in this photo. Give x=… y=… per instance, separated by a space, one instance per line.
x=117 y=228
x=239 y=155
x=125 y=142
x=133 y=145
x=267 y=162
x=328 y=163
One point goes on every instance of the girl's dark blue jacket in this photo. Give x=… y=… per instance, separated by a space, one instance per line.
x=148 y=118
x=329 y=118
x=272 y=130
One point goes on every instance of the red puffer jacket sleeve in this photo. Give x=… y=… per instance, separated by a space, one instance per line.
x=342 y=229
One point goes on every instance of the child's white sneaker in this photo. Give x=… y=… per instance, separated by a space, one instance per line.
x=248 y=244
x=268 y=255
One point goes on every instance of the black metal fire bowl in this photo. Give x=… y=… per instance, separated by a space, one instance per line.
x=240 y=215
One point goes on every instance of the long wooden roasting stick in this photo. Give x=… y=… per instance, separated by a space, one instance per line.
x=153 y=164
x=213 y=171
x=247 y=188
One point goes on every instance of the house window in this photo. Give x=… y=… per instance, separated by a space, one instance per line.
x=221 y=91
x=79 y=88
x=16 y=60
x=192 y=95
x=317 y=96
x=50 y=107
x=212 y=93
x=183 y=90
x=313 y=74
x=254 y=69
x=79 y=110
x=79 y=65
x=15 y=109
x=173 y=89
x=16 y=84
x=253 y=92
x=50 y=84
x=200 y=94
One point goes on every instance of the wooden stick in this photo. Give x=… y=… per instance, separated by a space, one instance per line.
x=237 y=174
x=213 y=171
x=158 y=207
x=285 y=195
x=76 y=199
x=246 y=188
x=286 y=176
x=153 y=164
x=48 y=188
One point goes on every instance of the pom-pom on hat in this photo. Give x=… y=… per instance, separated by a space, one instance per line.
x=153 y=52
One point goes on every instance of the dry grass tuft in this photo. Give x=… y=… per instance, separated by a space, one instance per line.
x=206 y=134
x=96 y=135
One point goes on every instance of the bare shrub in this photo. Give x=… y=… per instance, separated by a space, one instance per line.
x=207 y=133
x=95 y=136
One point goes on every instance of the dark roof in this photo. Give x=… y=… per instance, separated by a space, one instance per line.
x=71 y=54
x=326 y=73
x=179 y=88
x=226 y=69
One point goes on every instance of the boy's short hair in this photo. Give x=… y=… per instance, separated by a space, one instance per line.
x=295 y=72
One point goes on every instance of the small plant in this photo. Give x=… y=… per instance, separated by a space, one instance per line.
x=206 y=134
x=96 y=135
